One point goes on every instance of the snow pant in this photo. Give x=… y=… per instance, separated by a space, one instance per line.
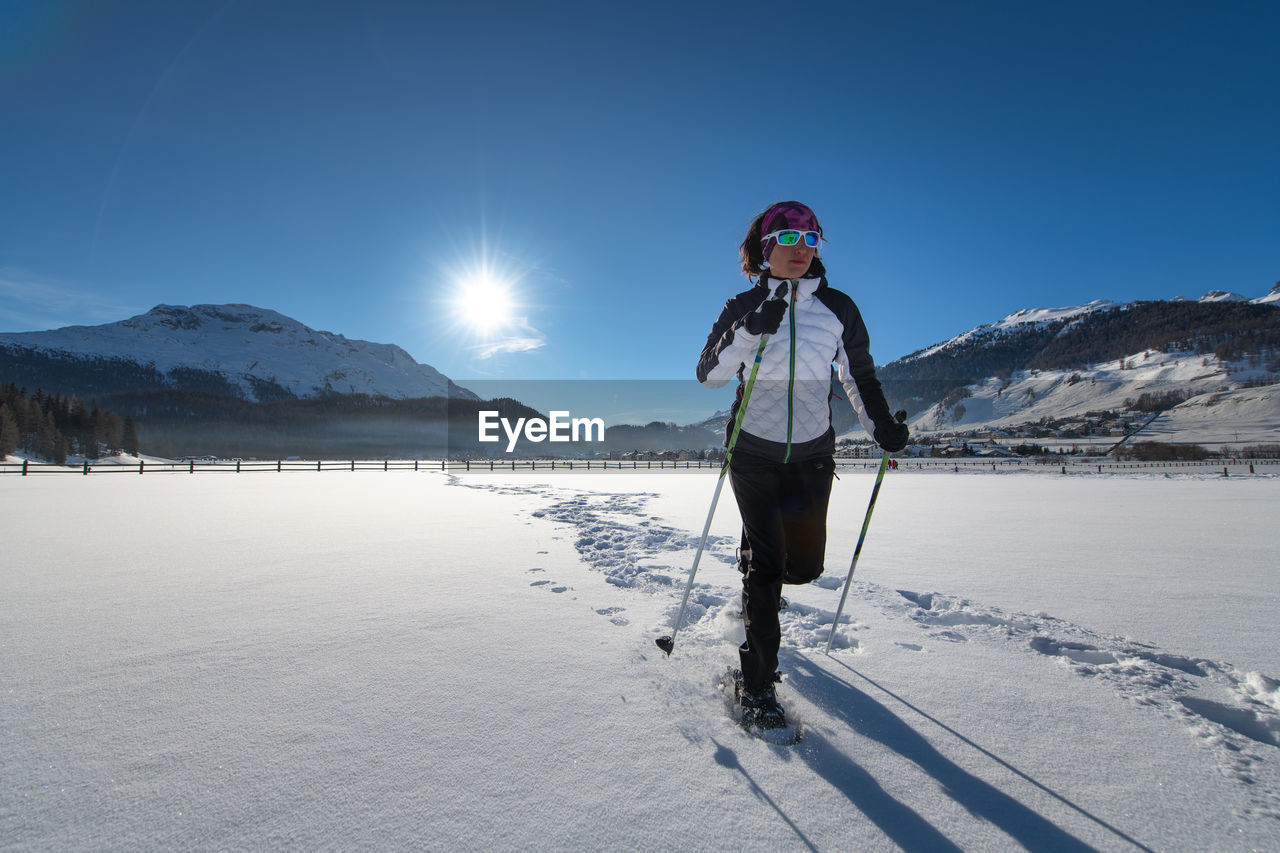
x=784 y=540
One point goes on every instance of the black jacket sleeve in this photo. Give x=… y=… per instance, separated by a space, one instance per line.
x=856 y=344
x=727 y=337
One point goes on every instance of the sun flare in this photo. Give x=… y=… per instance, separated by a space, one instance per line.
x=484 y=303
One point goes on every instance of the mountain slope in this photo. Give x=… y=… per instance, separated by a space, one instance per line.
x=238 y=350
x=1139 y=386
x=1045 y=365
x=1271 y=298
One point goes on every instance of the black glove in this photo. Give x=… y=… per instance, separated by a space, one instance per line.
x=765 y=320
x=891 y=436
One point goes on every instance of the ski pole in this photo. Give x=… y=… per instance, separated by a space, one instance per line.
x=866 y=522
x=668 y=643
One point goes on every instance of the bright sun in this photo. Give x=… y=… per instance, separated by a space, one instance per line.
x=484 y=303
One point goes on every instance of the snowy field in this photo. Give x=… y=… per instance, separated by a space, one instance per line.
x=368 y=660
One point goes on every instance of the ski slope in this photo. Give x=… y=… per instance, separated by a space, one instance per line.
x=466 y=662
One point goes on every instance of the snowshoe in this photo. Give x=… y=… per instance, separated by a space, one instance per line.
x=759 y=713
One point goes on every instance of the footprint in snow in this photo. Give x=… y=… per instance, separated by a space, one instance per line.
x=613 y=614
x=611 y=539
x=1077 y=652
x=1217 y=701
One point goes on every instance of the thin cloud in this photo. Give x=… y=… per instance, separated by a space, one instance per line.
x=28 y=303
x=526 y=339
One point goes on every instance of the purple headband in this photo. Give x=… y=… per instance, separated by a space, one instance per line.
x=784 y=215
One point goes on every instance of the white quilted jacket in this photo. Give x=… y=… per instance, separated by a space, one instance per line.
x=789 y=408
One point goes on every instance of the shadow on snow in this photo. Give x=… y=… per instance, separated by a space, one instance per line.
x=901 y=824
x=728 y=759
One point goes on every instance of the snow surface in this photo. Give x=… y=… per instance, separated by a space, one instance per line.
x=428 y=661
x=1229 y=418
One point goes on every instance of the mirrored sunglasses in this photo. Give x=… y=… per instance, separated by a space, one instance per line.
x=790 y=237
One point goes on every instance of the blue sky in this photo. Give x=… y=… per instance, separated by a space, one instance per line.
x=354 y=165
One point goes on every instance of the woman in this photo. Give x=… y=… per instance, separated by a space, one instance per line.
x=782 y=464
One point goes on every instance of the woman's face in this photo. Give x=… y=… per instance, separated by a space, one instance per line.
x=791 y=261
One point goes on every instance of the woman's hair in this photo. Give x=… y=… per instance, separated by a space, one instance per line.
x=752 y=252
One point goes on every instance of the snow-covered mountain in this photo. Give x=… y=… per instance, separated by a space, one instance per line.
x=1217 y=403
x=1213 y=360
x=1223 y=296
x=255 y=350
x=1029 y=319
x=1020 y=320
x=1271 y=298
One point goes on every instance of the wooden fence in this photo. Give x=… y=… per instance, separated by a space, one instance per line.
x=1085 y=465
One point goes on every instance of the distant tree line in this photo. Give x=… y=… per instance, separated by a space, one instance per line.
x=89 y=375
x=175 y=423
x=66 y=372
x=1161 y=401
x=1158 y=451
x=660 y=436
x=53 y=427
x=1226 y=329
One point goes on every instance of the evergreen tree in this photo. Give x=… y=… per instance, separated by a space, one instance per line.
x=51 y=426
x=130 y=444
x=9 y=435
x=47 y=437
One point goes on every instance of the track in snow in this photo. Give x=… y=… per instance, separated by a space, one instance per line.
x=1230 y=709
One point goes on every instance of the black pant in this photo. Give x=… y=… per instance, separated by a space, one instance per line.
x=784 y=528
